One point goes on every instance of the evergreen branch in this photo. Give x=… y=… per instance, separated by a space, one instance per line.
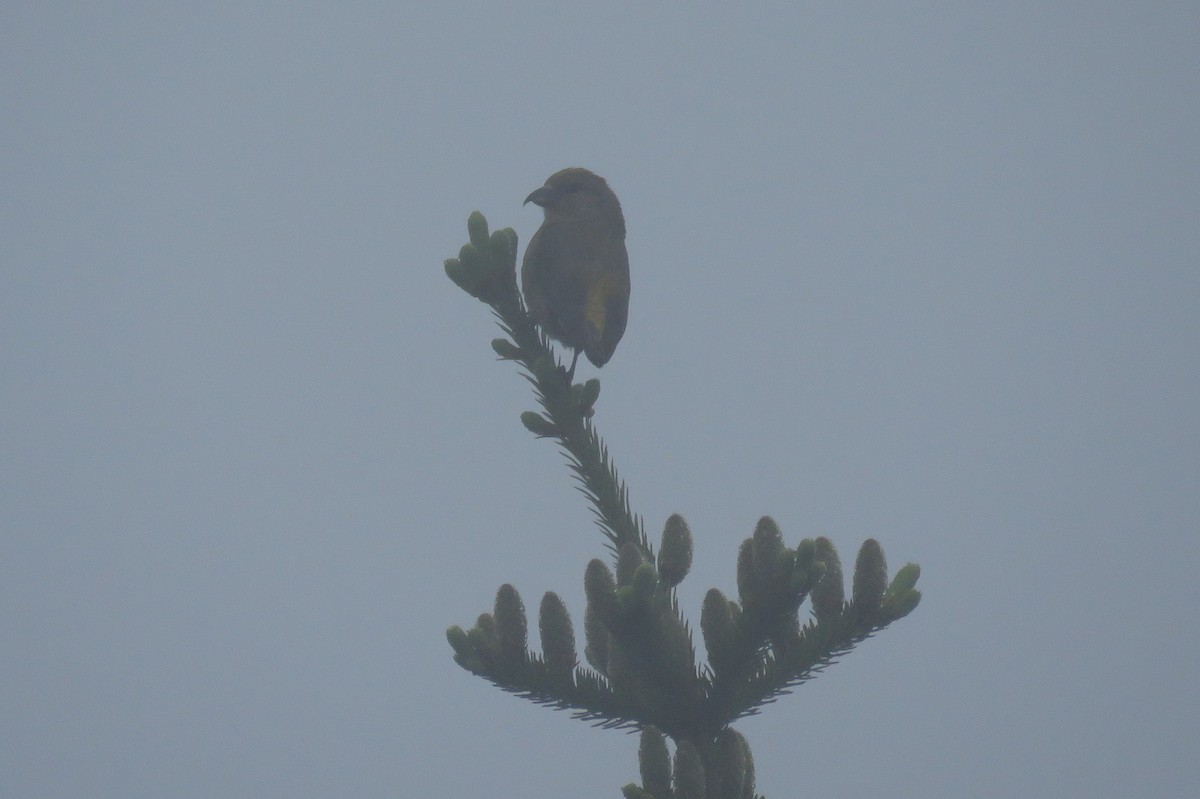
x=637 y=641
x=587 y=697
x=819 y=644
x=486 y=268
x=757 y=651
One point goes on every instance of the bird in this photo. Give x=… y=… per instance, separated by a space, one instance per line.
x=575 y=274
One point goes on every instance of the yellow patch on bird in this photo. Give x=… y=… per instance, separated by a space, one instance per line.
x=595 y=310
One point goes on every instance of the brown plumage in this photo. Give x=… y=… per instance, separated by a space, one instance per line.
x=575 y=275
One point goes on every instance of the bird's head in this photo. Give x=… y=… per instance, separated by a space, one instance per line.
x=576 y=194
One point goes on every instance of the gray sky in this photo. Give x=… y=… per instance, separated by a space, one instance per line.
x=927 y=273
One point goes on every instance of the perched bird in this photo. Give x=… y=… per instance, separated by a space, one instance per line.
x=575 y=275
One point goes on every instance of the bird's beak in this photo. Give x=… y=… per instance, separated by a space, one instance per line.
x=538 y=197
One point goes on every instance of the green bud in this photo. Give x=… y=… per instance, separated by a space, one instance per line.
x=900 y=605
x=503 y=245
x=586 y=394
x=905 y=579
x=468 y=272
x=558 y=636
x=828 y=595
x=807 y=570
x=511 y=624
x=654 y=763
x=506 y=349
x=472 y=260
x=727 y=766
x=675 y=552
x=483 y=636
x=464 y=652
x=463 y=277
x=539 y=425
x=768 y=546
x=870 y=576
x=457 y=637
x=477 y=229
x=601 y=591
x=689 y=772
x=806 y=555
x=716 y=625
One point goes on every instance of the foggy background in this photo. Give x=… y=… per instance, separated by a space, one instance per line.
x=919 y=272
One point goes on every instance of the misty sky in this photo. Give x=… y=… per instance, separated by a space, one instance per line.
x=921 y=272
